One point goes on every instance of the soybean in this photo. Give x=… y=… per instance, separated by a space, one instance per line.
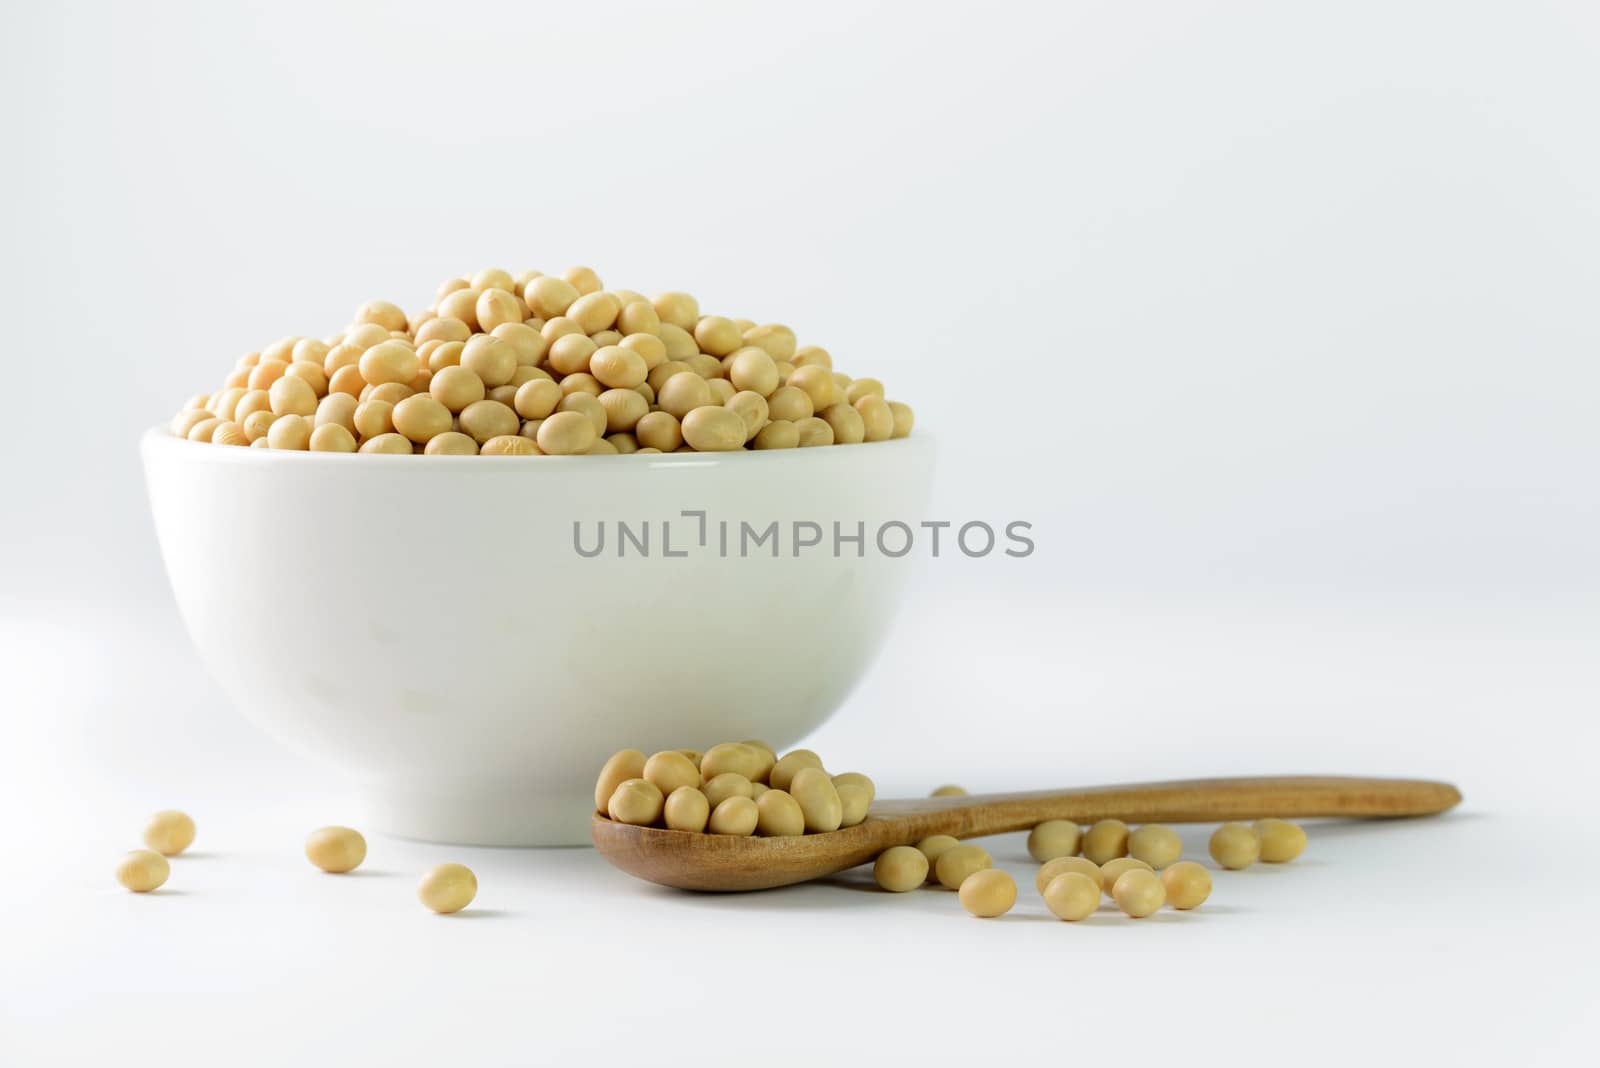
x=1106 y=840
x=988 y=893
x=790 y=404
x=659 y=430
x=818 y=799
x=1114 y=869
x=753 y=369
x=331 y=437
x=687 y=809
x=450 y=443
x=636 y=801
x=1156 y=845
x=765 y=757
x=291 y=432
x=1072 y=896
x=783 y=772
x=508 y=445
x=420 y=417
x=390 y=361
x=778 y=434
x=736 y=757
x=900 y=868
x=567 y=434
x=1138 y=892
x=1052 y=839
x=1187 y=884
x=958 y=862
x=778 y=814
x=394 y=444
x=712 y=429
x=935 y=846
x=1062 y=865
x=143 y=870
x=1235 y=846
x=735 y=816
x=336 y=849
x=447 y=888
x=456 y=387
x=751 y=408
x=669 y=770
x=169 y=832
x=729 y=784
x=1281 y=841
x=854 y=801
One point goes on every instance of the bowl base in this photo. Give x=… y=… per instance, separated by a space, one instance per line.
x=477 y=813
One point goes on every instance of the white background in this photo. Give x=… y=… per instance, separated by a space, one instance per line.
x=1277 y=321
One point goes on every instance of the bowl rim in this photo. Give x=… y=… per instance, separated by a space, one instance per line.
x=159 y=437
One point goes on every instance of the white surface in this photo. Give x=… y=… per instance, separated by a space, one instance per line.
x=437 y=635
x=1354 y=952
x=1276 y=319
x=1466 y=938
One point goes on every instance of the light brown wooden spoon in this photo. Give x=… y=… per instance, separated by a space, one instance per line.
x=694 y=861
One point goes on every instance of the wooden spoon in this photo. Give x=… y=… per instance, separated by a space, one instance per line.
x=693 y=861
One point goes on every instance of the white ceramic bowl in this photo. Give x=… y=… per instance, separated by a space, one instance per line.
x=426 y=622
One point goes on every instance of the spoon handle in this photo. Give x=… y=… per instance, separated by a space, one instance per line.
x=1188 y=801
